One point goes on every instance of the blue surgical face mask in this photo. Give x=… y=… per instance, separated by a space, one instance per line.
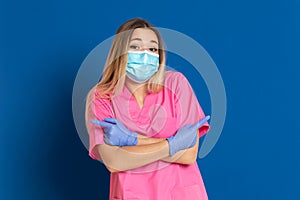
x=141 y=65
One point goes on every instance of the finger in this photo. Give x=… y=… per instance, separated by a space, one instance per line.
x=201 y=122
x=192 y=140
x=101 y=123
x=110 y=120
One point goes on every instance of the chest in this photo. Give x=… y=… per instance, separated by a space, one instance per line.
x=157 y=118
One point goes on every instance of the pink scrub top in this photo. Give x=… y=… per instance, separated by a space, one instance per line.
x=162 y=114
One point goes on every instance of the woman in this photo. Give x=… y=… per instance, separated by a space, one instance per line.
x=143 y=122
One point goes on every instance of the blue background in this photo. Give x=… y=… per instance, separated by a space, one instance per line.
x=255 y=45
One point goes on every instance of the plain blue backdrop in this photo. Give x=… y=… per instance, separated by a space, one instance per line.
x=255 y=45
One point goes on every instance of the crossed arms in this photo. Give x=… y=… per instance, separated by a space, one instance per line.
x=147 y=150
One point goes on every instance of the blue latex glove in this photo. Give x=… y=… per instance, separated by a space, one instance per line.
x=116 y=133
x=185 y=137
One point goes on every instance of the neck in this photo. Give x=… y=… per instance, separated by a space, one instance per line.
x=138 y=90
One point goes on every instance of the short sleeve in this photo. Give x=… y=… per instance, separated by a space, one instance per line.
x=97 y=108
x=187 y=105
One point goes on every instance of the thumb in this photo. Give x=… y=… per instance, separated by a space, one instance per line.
x=101 y=123
x=201 y=122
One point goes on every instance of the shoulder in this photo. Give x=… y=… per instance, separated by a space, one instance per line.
x=174 y=78
x=97 y=97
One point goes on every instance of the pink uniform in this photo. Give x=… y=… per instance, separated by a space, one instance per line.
x=161 y=116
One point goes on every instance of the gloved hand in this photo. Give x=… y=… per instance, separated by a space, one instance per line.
x=185 y=137
x=116 y=134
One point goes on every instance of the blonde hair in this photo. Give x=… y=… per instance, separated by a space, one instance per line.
x=113 y=76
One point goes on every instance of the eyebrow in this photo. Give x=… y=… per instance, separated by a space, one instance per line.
x=139 y=39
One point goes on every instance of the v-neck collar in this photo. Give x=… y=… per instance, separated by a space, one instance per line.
x=133 y=100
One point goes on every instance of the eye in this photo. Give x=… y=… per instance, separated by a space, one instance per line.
x=135 y=47
x=153 y=49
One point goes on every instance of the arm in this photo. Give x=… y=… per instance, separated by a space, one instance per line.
x=129 y=157
x=143 y=140
x=187 y=156
x=119 y=157
x=147 y=151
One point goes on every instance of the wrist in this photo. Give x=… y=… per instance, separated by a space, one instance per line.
x=134 y=138
x=169 y=139
x=171 y=149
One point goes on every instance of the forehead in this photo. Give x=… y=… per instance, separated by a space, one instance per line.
x=144 y=34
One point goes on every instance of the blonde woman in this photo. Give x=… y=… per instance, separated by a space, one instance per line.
x=144 y=123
